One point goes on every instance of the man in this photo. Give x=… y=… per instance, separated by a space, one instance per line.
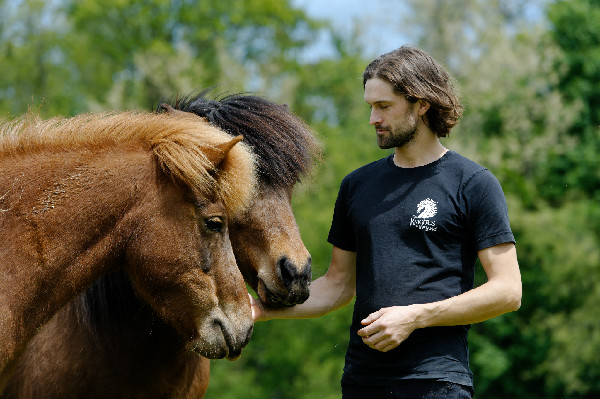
x=406 y=233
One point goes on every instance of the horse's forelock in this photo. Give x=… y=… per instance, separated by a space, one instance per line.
x=182 y=154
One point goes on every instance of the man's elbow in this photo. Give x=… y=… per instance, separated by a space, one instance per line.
x=513 y=297
x=346 y=296
x=515 y=304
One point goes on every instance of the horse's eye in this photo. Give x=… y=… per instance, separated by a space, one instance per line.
x=214 y=223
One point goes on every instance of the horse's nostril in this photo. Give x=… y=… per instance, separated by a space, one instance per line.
x=287 y=272
x=290 y=275
x=307 y=273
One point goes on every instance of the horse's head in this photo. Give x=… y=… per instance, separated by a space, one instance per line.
x=180 y=258
x=269 y=250
x=266 y=240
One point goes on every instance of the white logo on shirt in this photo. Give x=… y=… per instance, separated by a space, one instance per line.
x=426 y=209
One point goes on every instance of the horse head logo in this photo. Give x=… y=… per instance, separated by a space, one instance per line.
x=427 y=209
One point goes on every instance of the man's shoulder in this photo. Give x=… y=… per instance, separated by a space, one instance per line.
x=368 y=170
x=465 y=169
x=464 y=163
x=473 y=179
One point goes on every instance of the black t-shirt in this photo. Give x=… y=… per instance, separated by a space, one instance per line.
x=416 y=233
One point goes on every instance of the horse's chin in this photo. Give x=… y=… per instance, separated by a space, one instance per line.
x=208 y=351
x=221 y=337
x=276 y=304
x=233 y=357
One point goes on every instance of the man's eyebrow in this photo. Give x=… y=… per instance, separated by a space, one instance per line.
x=378 y=102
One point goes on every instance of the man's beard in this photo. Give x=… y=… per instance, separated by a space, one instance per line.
x=398 y=136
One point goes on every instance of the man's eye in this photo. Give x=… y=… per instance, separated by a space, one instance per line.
x=214 y=223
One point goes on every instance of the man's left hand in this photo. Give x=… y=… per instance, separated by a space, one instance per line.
x=388 y=327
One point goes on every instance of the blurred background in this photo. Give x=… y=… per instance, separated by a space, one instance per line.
x=528 y=73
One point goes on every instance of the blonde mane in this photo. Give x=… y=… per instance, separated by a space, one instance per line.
x=179 y=142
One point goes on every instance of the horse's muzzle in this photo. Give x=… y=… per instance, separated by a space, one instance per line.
x=222 y=341
x=296 y=282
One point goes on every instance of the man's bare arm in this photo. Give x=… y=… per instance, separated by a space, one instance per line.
x=332 y=291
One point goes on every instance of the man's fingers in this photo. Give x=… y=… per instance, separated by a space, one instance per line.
x=374 y=339
x=255 y=307
x=363 y=332
x=379 y=340
x=371 y=318
x=382 y=345
x=387 y=348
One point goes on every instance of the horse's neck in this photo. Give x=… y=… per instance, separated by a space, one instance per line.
x=111 y=312
x=62 y=217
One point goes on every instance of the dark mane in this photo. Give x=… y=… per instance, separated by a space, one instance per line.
x=283 y=143
x=110 y=304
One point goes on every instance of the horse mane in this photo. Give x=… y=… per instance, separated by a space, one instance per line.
x=284 y=144
x=179 y=142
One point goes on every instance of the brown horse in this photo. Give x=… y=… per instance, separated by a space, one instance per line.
x=109 y=344
x=150 y=193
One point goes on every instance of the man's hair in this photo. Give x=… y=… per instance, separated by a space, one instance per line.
x=416 y=75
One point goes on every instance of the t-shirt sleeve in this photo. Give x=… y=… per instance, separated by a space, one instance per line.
x=341 y=233
x=487 y=211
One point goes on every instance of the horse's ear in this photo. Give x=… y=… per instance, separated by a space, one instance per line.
x=170 y=110
x=217 y=154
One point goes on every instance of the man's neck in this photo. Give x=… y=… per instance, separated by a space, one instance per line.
x=424 y=149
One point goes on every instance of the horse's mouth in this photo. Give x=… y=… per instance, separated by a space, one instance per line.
x=228 y=352
x=276 y=301
x=234 y=347
x=233 y=356
x=228 y=346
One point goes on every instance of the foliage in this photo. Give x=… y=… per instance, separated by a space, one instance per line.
x=575 y=27
x=532 y=116
x=127 y=54
x=558 y=346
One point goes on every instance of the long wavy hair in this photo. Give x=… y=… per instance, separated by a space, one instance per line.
x=416 y=75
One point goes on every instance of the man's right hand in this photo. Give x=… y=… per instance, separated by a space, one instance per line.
x=258 y=312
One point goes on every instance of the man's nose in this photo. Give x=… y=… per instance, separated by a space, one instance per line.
x=375 y=118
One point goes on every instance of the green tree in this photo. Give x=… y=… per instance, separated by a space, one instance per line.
x=575 y=27
x=127 y=54
x=34 y=66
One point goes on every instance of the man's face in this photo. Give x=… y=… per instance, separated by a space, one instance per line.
x=394 y=117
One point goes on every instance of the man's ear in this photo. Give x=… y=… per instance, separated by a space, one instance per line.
x=423 y=106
